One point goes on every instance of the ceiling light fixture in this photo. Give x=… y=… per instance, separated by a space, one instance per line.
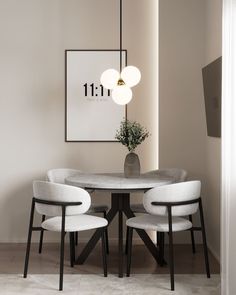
x=121 y=82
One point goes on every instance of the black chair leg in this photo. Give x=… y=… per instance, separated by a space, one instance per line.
x=159 y=236
x=126 y=240
x=204 y=239
x=171 y=261
x=41 y=236
x=171 y=252
x=76 y=238
x=72 y=249
x=29 y=239
x=192 y=236
x=157 y=239
x=104 y=252
x=129 y=246
x=62 y=250
x=161 y=247
x=106 y=234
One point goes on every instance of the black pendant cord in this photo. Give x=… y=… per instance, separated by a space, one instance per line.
x=120 y=36
x=126 y=129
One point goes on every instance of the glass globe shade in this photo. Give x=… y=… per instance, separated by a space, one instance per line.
x=109 y=78
x=131 y=76
x=121 y=94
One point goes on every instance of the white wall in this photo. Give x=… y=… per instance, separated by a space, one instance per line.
x=190 y=38
x=34 y=35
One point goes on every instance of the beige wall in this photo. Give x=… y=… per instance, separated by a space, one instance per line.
x=213 y=49
x=190 y=38
x=34 y=35
x=182 y=115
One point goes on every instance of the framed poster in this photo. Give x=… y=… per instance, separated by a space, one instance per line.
x=90 y=112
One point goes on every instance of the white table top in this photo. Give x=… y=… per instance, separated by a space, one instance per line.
x=116 y=181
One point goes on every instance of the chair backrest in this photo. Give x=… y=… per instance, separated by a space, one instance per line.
x=59 y=175
x=177 y=192
x=178 y=174
x=44 y=190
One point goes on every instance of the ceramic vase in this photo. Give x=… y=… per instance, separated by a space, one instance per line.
x=132 y=165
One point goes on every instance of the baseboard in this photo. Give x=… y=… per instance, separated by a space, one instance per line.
x=112 y=241
x=213 y=252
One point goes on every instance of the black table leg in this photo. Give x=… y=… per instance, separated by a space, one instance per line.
x=120 y=236
x=94 y=239
x=143 y=235
x=120 y=203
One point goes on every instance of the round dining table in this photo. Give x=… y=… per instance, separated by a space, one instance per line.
x=120 y=188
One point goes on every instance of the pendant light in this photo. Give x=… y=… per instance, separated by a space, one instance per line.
x=121 y=82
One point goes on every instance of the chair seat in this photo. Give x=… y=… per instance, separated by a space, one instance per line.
x=138 y=208
x=74 y=223
x=98 y=208
x=158 y=223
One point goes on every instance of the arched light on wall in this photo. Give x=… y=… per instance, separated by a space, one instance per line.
x=121 y=82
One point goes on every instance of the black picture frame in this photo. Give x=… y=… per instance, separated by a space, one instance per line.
x=66 y=91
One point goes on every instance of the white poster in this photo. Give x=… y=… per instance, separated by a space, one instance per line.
x=91 y=114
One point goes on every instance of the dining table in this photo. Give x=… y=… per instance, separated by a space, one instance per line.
x=120 y=189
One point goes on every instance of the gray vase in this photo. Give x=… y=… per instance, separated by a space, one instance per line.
x=132 y=165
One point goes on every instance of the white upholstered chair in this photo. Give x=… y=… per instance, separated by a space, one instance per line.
x=67 y=206
x=58 y=176
x=178 y=175
x=166 y=205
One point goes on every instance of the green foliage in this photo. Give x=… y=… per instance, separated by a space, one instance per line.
x=131 y=134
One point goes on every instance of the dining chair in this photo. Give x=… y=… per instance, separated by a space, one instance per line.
x=166 y=205
x=178 y=175
x=58 y=176
x=67 y=206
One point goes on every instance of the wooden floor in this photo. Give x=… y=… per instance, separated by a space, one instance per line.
x=12 y=260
